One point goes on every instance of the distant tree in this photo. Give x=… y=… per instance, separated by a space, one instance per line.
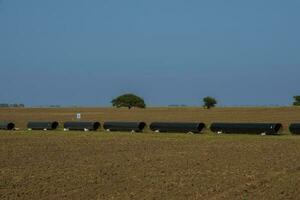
x=54 y=106
x=296 y=101
x=209 y=102
x=129 y=101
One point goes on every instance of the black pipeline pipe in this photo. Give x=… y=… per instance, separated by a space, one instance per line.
x=177 y=127
x=295 y=128
x=82 y=126
x=124 y=126
x=42 y=125
x=246 y=128
x=7 y=125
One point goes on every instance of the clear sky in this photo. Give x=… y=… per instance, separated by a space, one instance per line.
x=76 y=52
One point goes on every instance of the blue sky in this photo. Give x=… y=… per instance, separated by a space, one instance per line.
x=75 y=52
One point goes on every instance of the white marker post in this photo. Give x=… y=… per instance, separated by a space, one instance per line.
x=78 y=116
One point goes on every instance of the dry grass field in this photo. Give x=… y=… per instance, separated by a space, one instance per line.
x=99 y=165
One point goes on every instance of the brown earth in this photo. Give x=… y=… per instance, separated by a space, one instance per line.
x=76 y=165
x=284 y=115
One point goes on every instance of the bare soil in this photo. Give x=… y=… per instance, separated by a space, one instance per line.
x=100 y=165
x=76 y=165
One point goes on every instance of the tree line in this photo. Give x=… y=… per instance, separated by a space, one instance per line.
x=132 y=100
x=15 y=105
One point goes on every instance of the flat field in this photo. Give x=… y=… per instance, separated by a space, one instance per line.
x=284 y=115
x=100 y=165
x=76 y=165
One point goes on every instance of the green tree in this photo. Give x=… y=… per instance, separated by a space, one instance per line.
x=297 y=101
x=209 y=102
x=129 y=101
